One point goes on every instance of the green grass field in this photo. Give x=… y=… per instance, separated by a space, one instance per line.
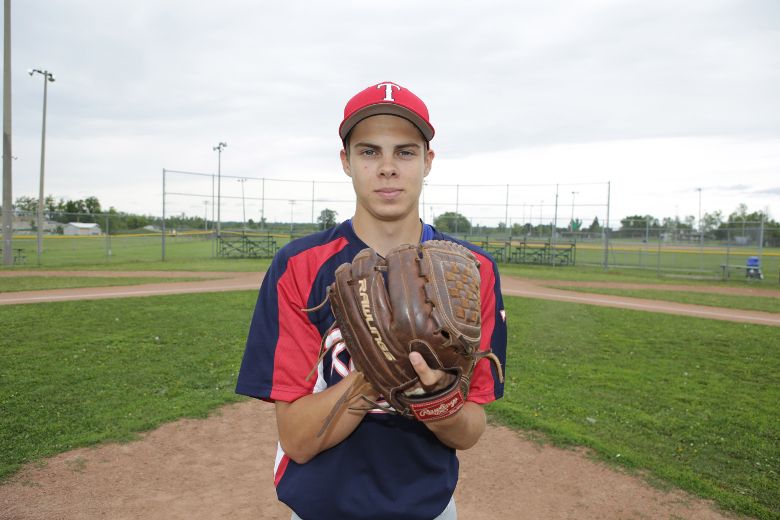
x=38 y=283
x=729 y=301
x=198 y=252
x=689 y=402
x=103 y=370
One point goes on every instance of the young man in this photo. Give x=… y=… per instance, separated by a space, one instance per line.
x=368 y=464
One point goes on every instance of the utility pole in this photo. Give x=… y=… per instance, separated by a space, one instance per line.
x=8 y=209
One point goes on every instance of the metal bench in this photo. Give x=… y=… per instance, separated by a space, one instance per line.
x=18 y=255
x=752 y=269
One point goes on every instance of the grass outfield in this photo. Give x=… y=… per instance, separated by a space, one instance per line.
x=598 y=274
x=690 y=401
x=123 y=251
x=40 y=283
x=728 y=301
x=685 y=260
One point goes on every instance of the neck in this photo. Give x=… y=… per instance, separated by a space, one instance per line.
x=382 y=236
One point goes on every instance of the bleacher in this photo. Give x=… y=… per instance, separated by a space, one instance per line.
x=242 y=245
x=495 y=250
x=543 y=253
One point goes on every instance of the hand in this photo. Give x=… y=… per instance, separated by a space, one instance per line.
x=431 y=379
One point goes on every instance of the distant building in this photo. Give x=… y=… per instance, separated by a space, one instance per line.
x=81 y=229
x=26 y=224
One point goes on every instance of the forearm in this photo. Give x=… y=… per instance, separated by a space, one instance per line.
x=462 y=430
x=299 y=422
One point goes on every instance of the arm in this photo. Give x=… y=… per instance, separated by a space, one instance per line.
x=299 y=422
x=460 y=431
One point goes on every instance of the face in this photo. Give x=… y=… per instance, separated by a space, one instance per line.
x=387 y=162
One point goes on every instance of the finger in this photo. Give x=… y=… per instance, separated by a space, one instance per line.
x=428 y=376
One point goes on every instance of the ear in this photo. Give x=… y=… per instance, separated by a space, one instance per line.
x=429 y=155
x=345 y=163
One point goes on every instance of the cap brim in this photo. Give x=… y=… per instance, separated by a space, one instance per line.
x=388 y=109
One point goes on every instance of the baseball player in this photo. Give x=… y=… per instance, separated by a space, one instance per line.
x=369 y=464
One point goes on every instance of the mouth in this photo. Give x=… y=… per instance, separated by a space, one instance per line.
x=388 y=193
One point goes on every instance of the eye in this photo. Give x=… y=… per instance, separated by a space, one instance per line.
x=368 y=152
x=406 y=153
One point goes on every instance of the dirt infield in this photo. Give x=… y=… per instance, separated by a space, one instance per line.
x=221 y=467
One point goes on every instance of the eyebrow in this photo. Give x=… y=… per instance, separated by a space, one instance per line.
x=377 y=147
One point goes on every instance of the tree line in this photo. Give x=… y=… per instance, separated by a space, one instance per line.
x=713 y=225
x=88 y=210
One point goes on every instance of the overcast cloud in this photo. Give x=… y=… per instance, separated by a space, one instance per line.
x=658 y=98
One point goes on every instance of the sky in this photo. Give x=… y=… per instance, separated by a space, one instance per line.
x=665 y=108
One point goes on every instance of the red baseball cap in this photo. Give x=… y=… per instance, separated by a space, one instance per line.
x=386 y=98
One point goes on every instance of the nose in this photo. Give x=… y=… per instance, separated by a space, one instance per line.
x=388 y=167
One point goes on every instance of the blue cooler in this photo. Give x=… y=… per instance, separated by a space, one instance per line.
x=753 y=268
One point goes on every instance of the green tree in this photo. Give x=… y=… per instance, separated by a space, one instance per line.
x=92 y=205
x=712 y=221
x=594 y=227
x=452 y=222
x=327 y=219
x=638 y=223
x=25 y=203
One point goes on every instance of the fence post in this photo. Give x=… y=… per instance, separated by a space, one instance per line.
x=213 y=235
x=728 y=247
x=554 y=227
x=506 y=208
x=606 y=231
x=108 y=239
x=761 y=242
x=163 y=217
x=457 y=200
x=262 y=204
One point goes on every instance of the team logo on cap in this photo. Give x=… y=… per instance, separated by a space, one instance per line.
x=388 y=90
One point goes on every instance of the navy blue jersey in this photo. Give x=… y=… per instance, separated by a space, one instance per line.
x=390 y=467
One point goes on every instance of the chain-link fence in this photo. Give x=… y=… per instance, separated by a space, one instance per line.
x=208 y=217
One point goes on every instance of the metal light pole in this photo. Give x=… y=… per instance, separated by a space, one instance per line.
x=243 y=204
x=221 y=146
x=205 y=215
x=47 y=77
x=8 y=210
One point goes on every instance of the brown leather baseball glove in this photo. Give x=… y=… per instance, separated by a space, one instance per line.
x=423 y=298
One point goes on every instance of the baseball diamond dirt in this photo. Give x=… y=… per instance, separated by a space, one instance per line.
x=221 y=467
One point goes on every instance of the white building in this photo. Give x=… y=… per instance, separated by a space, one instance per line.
x=81 y=229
